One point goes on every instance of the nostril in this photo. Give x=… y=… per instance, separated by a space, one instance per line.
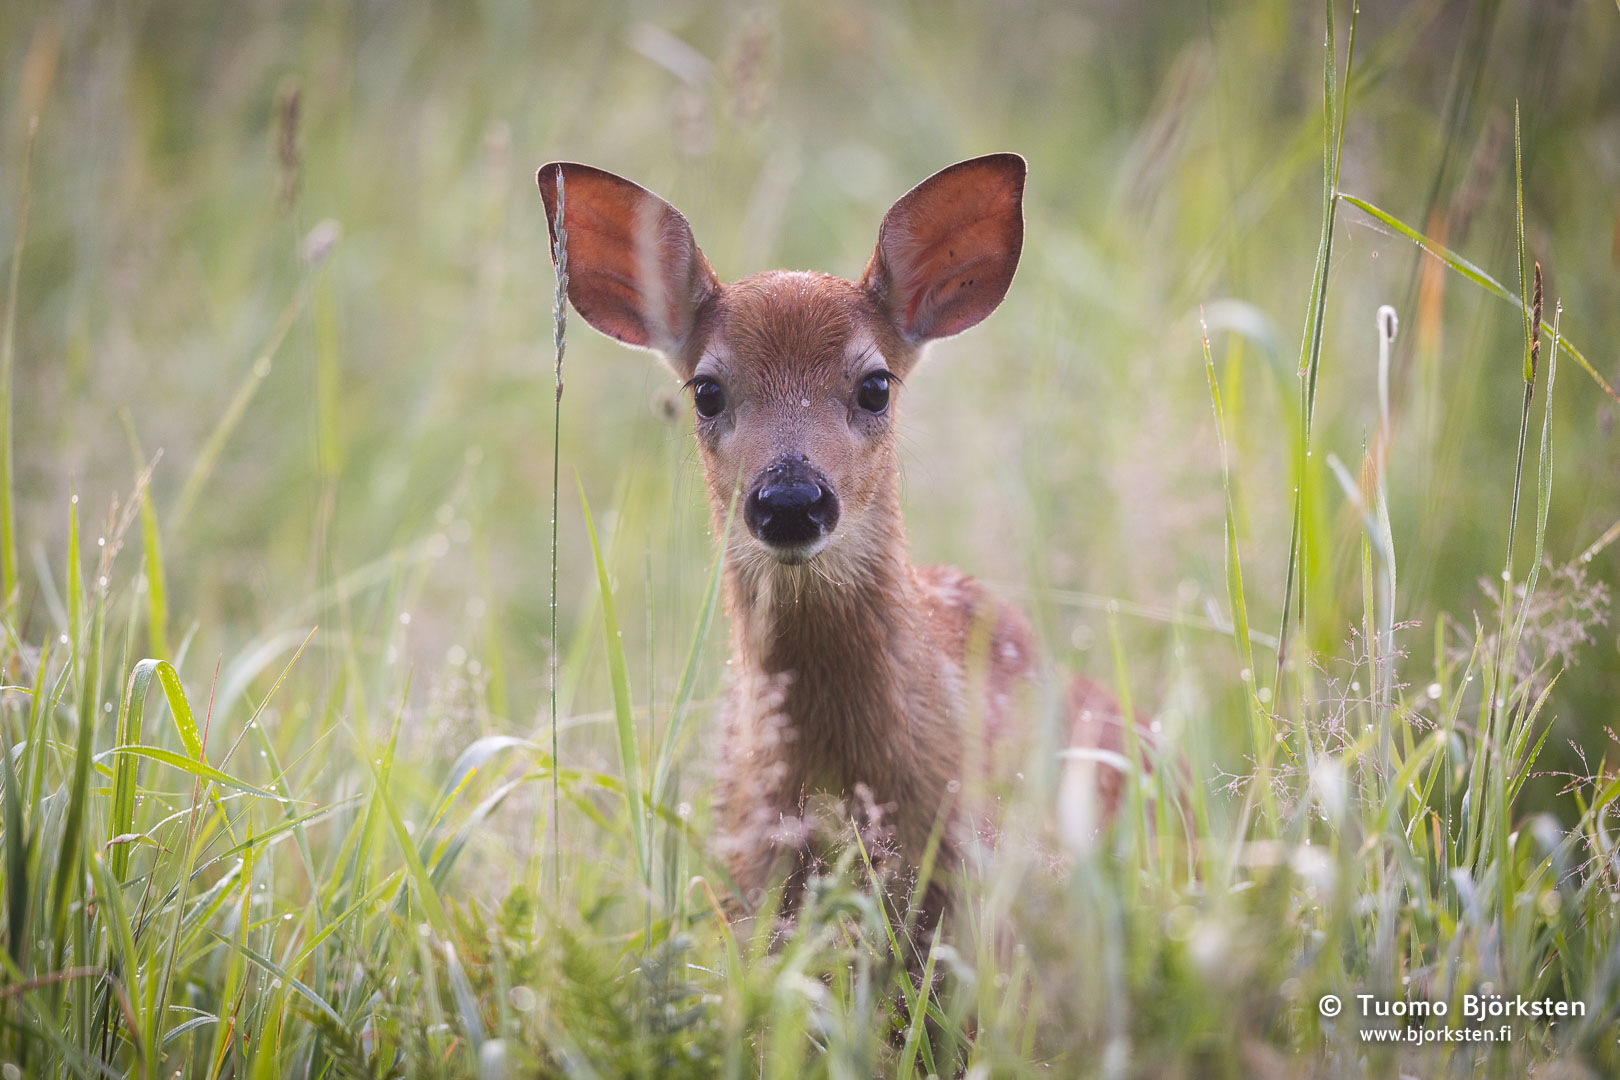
x=822 y=507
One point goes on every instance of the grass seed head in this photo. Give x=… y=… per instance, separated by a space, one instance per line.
x=1535 y=324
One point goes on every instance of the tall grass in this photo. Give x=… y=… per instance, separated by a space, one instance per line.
x=252 y=828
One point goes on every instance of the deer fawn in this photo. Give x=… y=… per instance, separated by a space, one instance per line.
x=857 y=676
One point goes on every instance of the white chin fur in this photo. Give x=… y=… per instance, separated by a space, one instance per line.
x=798 y=554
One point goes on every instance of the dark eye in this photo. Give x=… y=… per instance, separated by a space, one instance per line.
x=873 y=395
x=709 y=398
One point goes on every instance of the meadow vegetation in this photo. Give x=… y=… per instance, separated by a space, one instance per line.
x=303 y=773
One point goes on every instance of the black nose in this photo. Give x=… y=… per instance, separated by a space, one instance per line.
x=791 y=504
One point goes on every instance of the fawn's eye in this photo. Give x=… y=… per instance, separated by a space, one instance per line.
x=708 y=397
x=873 y=395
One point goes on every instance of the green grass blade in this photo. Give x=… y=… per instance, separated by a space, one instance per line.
x=1261 y=728
x=1473 y=273
x=69 y=878
x=418 y=874
x=1297 y=577
x=281 y=973
x=472 y=1025
x=122 y=821
x=125 y=957
x=1524 y=265
x=157 y=590
x=18 y=841
x=915 y=1030
x=200 y=770
x=670 y=743
x=75 y=583
x=214 y=446
x=623 y=713
x=1544 y=477
x=259 y=840
x=8 y=351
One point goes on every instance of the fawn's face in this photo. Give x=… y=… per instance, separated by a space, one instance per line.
x=793 y=376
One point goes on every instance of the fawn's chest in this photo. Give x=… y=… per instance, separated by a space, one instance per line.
x=868 y=705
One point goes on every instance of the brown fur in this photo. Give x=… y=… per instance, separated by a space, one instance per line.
x=890 y=690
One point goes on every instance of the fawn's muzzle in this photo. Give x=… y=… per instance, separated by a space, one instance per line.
x=791 y=506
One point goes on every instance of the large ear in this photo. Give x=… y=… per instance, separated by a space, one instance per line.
x=634 y=271
x=947 y=250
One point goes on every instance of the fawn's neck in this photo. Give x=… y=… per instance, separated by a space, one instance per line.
x=837 y=636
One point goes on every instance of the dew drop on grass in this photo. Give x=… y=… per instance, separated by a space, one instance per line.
x=404 y=618
x=1264 y=694
x=1434 y=691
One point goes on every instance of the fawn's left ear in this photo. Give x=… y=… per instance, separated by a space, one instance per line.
x=947 y=250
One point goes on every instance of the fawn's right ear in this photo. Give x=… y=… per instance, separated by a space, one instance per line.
x=634 y=271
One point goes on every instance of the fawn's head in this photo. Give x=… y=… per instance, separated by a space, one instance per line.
x=793 y=374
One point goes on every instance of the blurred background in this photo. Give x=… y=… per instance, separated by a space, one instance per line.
x=293 y=252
